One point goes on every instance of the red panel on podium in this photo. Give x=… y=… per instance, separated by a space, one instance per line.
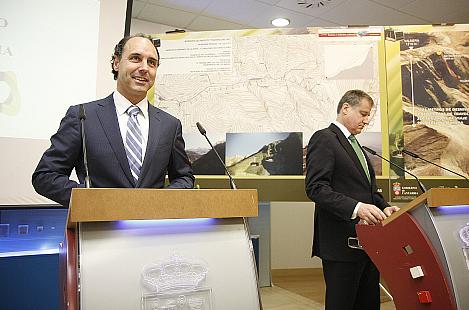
x=396 y=248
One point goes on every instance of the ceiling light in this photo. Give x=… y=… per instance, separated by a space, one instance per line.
x=280 y=22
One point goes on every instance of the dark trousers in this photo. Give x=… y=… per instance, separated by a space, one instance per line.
x=351 y=285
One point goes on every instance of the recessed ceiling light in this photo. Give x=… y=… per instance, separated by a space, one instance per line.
x=280 y=22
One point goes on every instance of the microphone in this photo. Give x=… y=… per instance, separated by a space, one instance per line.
x=421 y=186
x=432 y=163
x=203 y=132
x=82 y=117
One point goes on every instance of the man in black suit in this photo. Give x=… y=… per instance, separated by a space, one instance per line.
x=125 y=149
x=342 y=183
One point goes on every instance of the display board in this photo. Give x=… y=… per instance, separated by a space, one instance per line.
x=261 y=94
x=429 y=101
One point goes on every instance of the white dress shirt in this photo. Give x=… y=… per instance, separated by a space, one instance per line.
x=122 y=104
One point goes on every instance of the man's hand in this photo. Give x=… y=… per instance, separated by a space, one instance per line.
x=362 y=222
x=371 y=214
x=390 y=210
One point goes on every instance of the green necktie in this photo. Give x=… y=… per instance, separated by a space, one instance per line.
x=360 y=155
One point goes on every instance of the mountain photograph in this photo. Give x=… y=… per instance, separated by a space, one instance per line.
x=208 y=163
x=435 y=100
x=203 y=159
x=263 y=154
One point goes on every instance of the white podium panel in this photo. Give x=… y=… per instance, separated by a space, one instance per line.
x=189 y=263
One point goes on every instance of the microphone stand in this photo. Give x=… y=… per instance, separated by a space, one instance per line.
x=421 y=186
x=82 y=117
x=432 y=163
x=203 y=132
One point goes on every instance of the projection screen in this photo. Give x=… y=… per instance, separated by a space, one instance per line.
x=50 y=57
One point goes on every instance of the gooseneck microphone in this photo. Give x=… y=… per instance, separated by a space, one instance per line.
x=421 y=186
x=203 y=132
x=82 y=117
x=432 y=163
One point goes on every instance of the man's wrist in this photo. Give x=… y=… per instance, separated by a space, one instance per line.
x=355 y=211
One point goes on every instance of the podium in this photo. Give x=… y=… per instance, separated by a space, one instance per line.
x=422 y=251
x=159 y=249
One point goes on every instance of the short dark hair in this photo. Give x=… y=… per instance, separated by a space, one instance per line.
x=354 y=97
x=119 y=48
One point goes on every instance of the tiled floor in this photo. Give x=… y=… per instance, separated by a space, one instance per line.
x=299 y=289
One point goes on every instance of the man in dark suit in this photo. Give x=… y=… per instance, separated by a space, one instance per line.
x=342 y=183
x=124 y=149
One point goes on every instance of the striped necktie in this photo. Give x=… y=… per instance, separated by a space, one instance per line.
x=133 y=142
x=360 y=155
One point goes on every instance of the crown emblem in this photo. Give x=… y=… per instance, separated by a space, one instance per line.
x=464 y=234
x=175 y=274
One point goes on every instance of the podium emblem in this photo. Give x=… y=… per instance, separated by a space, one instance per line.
x=464 y=236
x=176 y=283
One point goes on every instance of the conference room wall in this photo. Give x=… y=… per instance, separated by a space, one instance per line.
x=292 y=235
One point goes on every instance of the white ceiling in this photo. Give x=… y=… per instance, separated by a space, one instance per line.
x=204 y=15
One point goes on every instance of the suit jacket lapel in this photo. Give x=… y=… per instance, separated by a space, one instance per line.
x=153 y=139
x=108 y=118
x=349 y=149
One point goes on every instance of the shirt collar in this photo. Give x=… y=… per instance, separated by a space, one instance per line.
x=122 y=104
x=342 y=128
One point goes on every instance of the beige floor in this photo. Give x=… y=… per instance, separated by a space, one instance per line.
x=300 y=289
x=276 y=298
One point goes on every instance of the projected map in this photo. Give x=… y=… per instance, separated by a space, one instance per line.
x=264 y=80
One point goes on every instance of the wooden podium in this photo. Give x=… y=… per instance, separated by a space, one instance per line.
x=158 y=249
x=422 y=250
